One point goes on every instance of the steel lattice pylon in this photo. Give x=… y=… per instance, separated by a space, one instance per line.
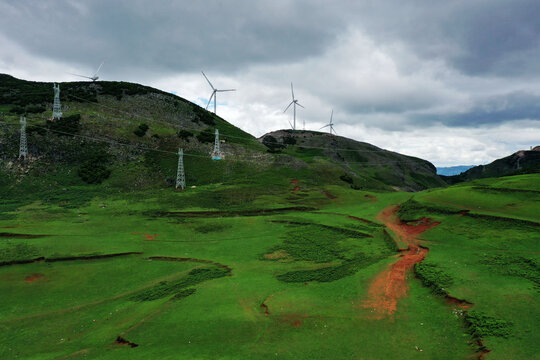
x=216 y=154
x=23 y=149
x=57 y=111
x=180 y=176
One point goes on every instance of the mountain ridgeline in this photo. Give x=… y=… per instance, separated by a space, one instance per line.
x=125 y=137
x=521 y=162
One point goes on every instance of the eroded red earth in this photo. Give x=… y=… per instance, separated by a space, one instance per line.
x=391 y=284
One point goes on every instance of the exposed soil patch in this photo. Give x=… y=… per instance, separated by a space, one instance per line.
x=328 y=195
x=264 y=307
x=121 y=341
x=296 y=189
x=371 y=197
x=294 y=320
x=182 y=259
x=294 y=181
x=149 y=236
x=21 y=236
x=391 y=284
x=33 y=277
x=464 y=304
x=232 y=213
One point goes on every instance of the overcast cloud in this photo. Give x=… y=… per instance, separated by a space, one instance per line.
x=453 y=82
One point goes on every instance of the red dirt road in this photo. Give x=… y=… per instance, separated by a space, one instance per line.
x=391 y=284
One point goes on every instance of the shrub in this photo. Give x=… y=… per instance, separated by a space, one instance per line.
x=141 y=130
x=17 y=110
x=482 y=325
x=67 y=125
x=289 y=140
x=347 y=178
x=93 y=171
x=272 y=144
x=185 y=134
x=35 y=109
x=206 y=136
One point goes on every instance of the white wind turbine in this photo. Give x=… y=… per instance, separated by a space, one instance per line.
x=214 y=92
x=294 y=102
x=330 y=124
x=93 y=77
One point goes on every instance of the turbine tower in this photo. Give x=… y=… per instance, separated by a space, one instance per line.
x=330 y=124
x=216 y=154
x=214 y=92
x=23 y=149
x=294 y=102
x=56 y=112
x=180 y=176
x=93 y=77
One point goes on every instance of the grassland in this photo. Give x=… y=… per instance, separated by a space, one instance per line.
x=277 y=284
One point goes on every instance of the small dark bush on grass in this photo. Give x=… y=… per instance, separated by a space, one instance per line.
x=207 y=135
x=347 y=178
x=433 y=278
x=482 y=325
x=141 y=130
x=35 y=109
x=168 y=288
x=272 y=144
x=184 y=134
x=184 y=294
x=94 y=171
x=65 y=126
x=289 y=140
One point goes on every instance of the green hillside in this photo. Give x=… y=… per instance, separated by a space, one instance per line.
x=297 y=245
x=521 y=162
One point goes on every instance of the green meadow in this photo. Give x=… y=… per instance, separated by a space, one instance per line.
x=280 y=275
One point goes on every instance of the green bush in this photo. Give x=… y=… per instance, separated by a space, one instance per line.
x=272 y=144
x=141 y=130
x=289 y=140
x=17 y=110
x=35 y=109
x=482 y=325
x=65 y=126
x=207 y=135
x=347 y=178
x=433 y=278
x=185 y=134
x=94 y=171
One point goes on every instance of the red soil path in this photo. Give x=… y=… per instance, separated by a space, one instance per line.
x=391 y=284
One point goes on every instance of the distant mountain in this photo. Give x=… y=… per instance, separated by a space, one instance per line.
x=126 y=137
x=521 y=162
x=453 y=170
x=360 y=163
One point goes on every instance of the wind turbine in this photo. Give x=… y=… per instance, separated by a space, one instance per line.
x=330 y=124
x=214 y=92
x=93 y=77
x=294 y=102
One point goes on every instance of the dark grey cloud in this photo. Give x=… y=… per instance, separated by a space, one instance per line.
x=170 y=36
x=493 y=110
x=392 y=66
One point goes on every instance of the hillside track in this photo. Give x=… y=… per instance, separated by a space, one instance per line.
x=391 y=284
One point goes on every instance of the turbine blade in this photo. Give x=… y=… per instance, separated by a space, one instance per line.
x=290 y=124
x=88 y=77
x=325 y=126
x=210 y=100
x=99 y=68
x=300 y=105
x=212 y=86
x=226 y=90
x=292 y=102
x=292 y=92
x=331 y=116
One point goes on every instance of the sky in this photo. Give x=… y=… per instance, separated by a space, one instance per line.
x=453 y=82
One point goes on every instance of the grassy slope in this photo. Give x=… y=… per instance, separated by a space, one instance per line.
x=491 y=261
x=223 y=319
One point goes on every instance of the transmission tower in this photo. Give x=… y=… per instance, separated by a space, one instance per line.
x=216 y=154
x=23 y=149
x=57 y=111
x=180 y=176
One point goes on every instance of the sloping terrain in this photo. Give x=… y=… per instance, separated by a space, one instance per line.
x=521 y=162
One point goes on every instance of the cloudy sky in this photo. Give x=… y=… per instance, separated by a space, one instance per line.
x=454 y=82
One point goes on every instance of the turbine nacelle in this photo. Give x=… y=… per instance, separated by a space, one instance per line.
x=214 y=92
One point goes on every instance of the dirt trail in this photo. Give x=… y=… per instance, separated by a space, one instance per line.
x=391 y=284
